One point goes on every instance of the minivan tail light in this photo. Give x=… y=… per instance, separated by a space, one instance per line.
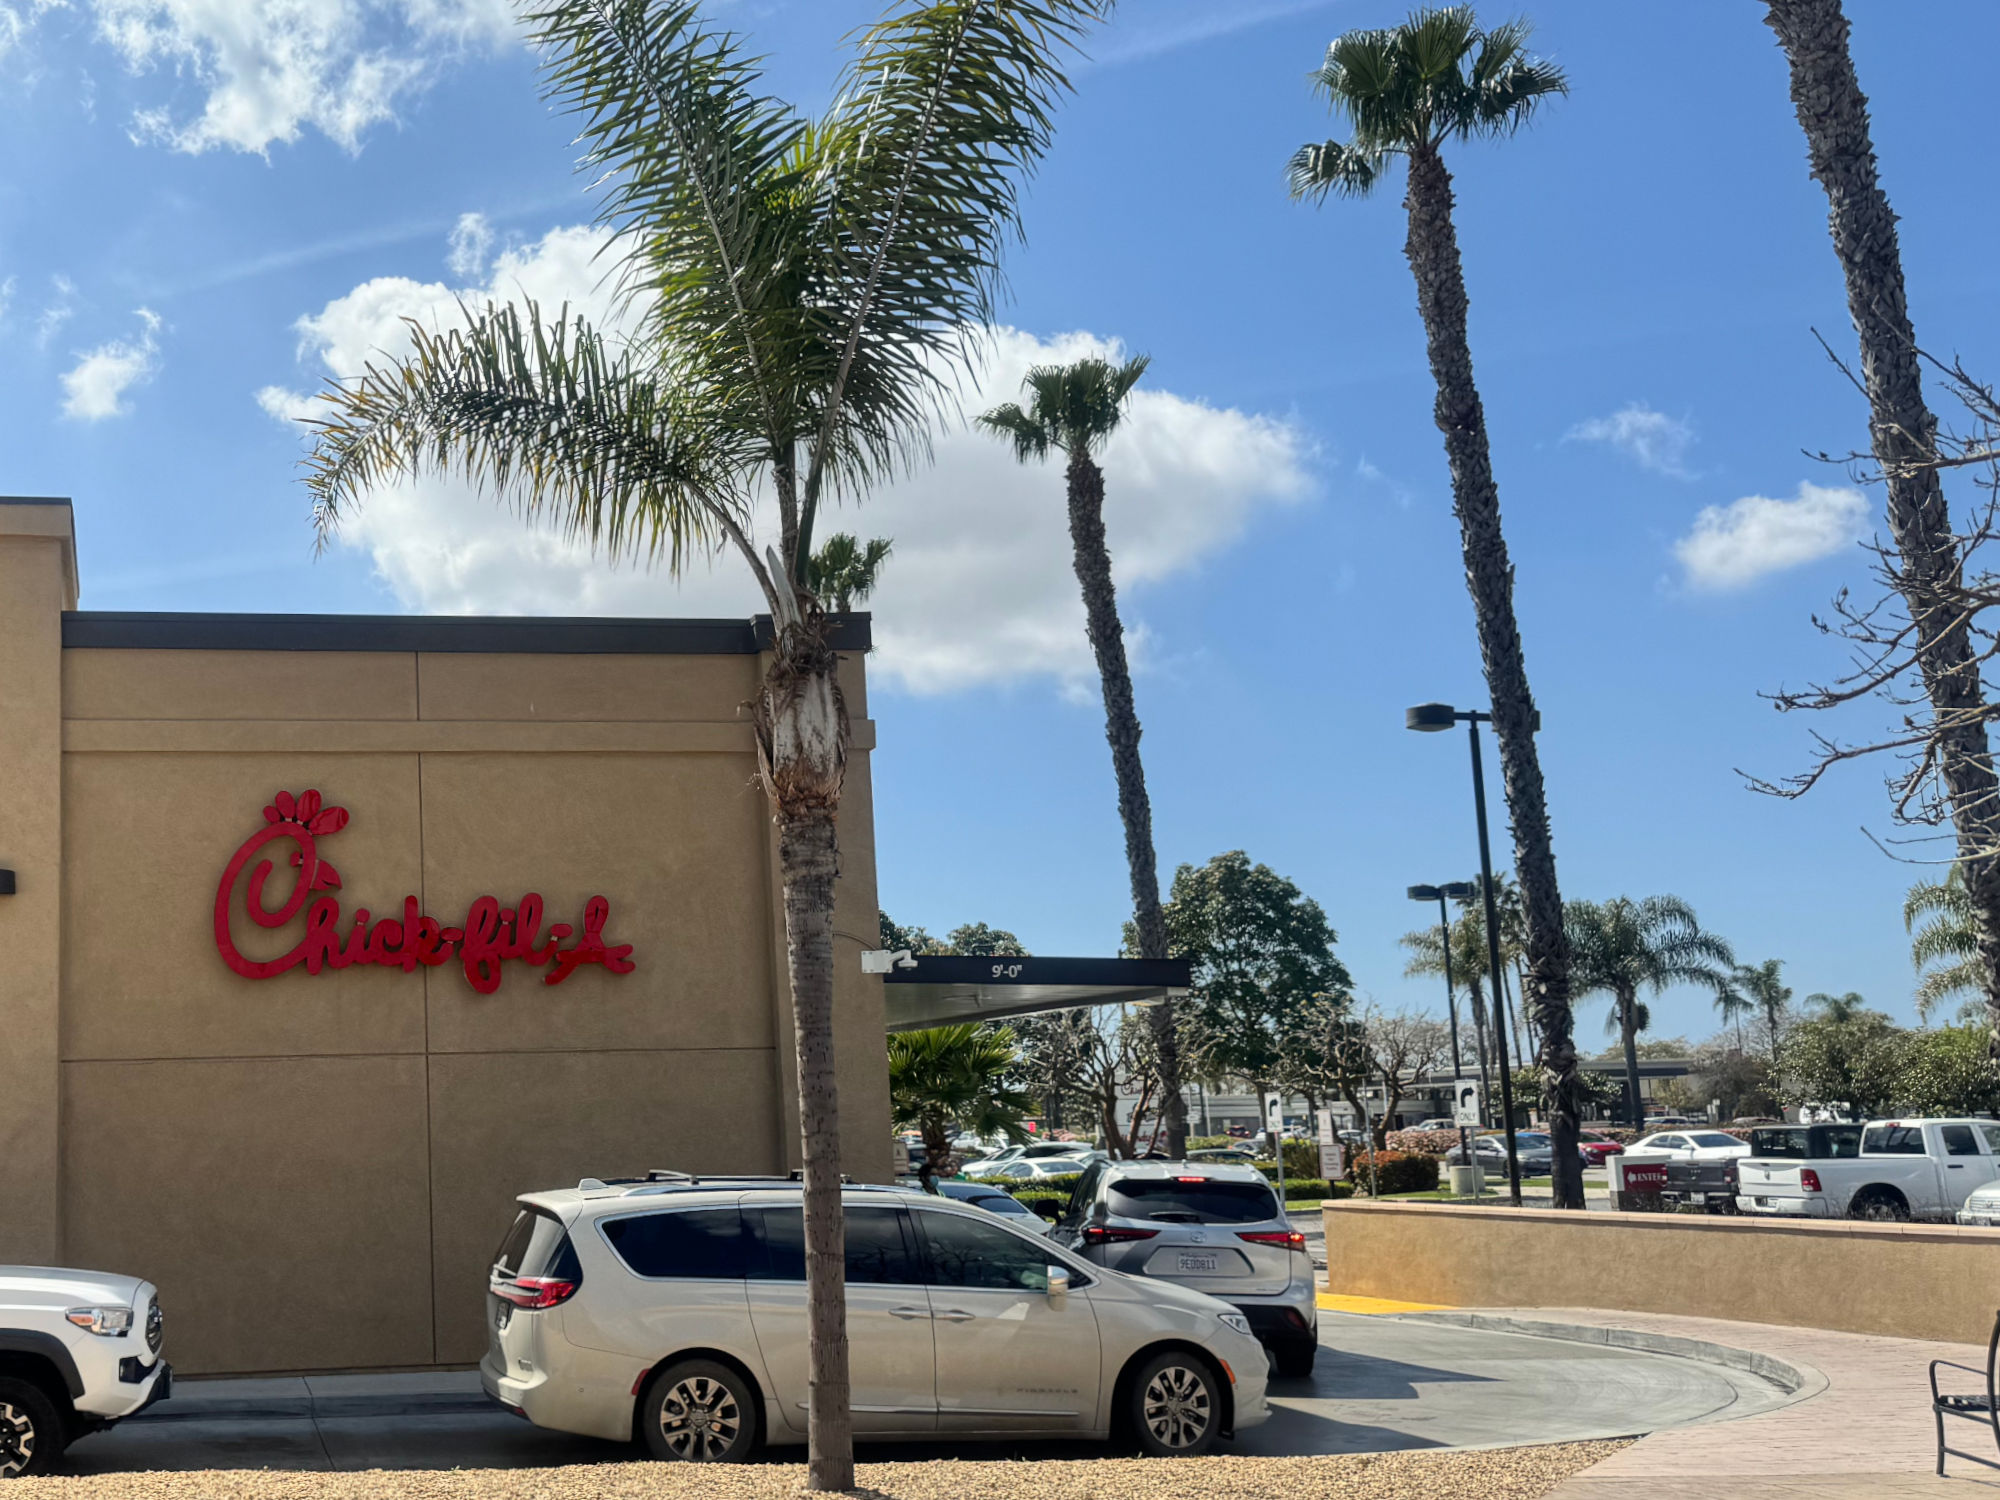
x=535 y=1292
x=1291 y=1239
x=1101 y=1234
x=1809 y=1179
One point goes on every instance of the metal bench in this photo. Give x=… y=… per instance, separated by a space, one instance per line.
x=1984 y=1409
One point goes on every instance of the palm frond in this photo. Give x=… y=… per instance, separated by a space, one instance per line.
x=546 y=419
x=1327 y=167
x=945 y=108
x=1031 y=438
x=1967 y=977
x=692 y=163
x=1074 y=407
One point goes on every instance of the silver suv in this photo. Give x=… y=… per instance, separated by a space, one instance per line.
x=1213 y=1227
x=674 y=1309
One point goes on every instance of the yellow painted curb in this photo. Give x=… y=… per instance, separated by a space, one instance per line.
x=1336 y=1302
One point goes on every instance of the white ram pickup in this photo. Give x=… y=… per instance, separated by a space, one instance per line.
x=79 y=1350
x=1906 y=1169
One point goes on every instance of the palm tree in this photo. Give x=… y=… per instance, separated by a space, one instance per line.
x=1767 y=993
x=955 y=1076
x=802 y=292
x=1621 y=947
x=845 y=571
x=1073 y=410
x=1838 y=1009
x=1945 y=949
x=1833 y=113
x=1733 y=1005
x=1407 y=91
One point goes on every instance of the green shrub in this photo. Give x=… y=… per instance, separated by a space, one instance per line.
x=1394 y=1172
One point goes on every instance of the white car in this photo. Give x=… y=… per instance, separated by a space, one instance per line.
x=1906 y=1169
x=1982 y=1207
x=79 y=1351
x=1026 y=1169
x=1691 y=1145
x=674 y=1310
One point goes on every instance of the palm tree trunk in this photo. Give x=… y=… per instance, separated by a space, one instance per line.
x=801 y=726
x=1833 y=112
x=1432 y=248
x=1121 y=728
x=1628 y=1027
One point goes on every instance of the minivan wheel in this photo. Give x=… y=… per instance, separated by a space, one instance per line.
x=1175 y=1408
x=699 y=1411
x=31 y=1432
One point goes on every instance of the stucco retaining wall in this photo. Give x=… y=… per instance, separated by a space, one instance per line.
x=1919 y=1281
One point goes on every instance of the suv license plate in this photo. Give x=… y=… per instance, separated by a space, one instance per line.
x=1195 y=1263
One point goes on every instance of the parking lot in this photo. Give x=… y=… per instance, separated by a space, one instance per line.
x=1381 y=1384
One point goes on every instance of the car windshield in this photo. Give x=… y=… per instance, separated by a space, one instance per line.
x=1191 y=1200
x=1714 y=1138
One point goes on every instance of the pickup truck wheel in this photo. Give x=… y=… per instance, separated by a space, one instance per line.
x=1880 y=1205
x=31 y=1431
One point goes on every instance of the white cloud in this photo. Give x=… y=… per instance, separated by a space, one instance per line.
x=1656 y=440
x=471 y=242
x=1731 y=546
x=55 y=313
x=271 y=68
x=94 y=388
x=980 y=589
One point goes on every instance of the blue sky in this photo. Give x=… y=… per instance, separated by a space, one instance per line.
x=190 y=179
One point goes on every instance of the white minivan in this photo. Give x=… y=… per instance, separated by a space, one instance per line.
x=674 y=1309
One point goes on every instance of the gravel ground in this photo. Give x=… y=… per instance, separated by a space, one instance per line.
x=1492 y=1474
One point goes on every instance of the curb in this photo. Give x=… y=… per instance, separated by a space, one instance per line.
x=312 y=1408
x=1799 y=1382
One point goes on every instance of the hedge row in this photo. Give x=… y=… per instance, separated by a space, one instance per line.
x=1393 y=1172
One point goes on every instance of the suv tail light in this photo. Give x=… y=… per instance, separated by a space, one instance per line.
x=1291 y=1239
x=1099 y=1234
x=1809 y=1179
x=535 y=1292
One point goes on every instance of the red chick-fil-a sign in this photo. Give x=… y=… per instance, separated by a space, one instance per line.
x=490 y=935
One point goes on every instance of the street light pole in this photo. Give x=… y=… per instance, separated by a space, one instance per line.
x=1493 y=962
x=1430 y=718
x=1456 y=890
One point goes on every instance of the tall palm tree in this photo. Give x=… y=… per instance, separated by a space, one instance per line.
x=1073 y=410
x=845 y=570
x=1761 y=985
x=955 y=1077
x=1945 y=949
x=1833 y=113
x=1838 y=1009
x=1621 y=947
x=1407 y=91
x=802 y=292
x=1733 y=1005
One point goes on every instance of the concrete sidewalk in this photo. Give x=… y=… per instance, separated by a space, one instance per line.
x=1868 y=1432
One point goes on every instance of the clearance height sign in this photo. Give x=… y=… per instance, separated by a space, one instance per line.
x=489 y=936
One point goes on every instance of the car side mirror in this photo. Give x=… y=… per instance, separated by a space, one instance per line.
x=1058 y=1284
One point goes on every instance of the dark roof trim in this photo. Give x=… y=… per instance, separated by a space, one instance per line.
x=1124 y=973
x=34 y=500
x=119 y=631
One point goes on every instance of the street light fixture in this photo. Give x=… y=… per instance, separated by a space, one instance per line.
x=1453 y=890
x=1430 y=718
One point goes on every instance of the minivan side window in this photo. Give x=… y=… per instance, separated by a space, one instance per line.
x=705 y=1244
x=1958 y=1140
x=878 y=1251
x=965 y=1253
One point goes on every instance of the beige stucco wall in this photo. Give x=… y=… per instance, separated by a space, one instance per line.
x=1905 y=1280
x=315 y=1168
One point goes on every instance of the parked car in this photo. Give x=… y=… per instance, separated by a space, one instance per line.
x=1597 y=1149
x=1217 y=1228
x=1241 y=1154
x=677 y=1307
x=1982 y=1207
x=1021 y=1169
x=1692 y=1145
x=1439 y=1123
x=79 y=1352
x=1657 y=1121
x=1532 y=1151
x=1904 y=1169
x=1706 y=1183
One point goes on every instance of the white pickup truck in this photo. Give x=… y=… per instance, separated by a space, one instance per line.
x=79 y=1350
x=1905 y=1169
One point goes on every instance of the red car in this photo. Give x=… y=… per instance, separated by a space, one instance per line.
x=1595 y=1147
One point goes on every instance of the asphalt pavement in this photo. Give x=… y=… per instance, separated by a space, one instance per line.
x=1380 y=1384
